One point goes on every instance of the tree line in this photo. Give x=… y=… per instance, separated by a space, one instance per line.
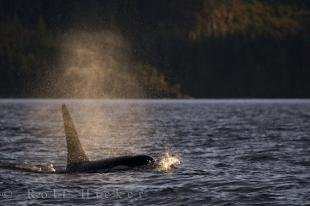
x=178 y=48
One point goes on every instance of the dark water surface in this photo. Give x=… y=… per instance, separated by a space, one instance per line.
x=232 y=152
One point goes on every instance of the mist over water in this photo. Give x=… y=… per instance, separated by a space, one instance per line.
x=93 y=64
x=96 y=64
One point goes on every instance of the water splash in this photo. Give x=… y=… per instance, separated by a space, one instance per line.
x=168 y=162
x=49 y=168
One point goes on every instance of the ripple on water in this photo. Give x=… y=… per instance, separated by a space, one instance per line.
x=231 y=152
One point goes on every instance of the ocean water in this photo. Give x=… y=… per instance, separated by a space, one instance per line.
x=232 y=152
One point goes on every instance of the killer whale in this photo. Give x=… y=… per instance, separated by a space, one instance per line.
x=77 y=160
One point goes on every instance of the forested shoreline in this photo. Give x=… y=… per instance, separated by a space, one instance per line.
x=154 y=49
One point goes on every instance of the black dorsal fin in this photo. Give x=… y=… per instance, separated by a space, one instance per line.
x=75 y=151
